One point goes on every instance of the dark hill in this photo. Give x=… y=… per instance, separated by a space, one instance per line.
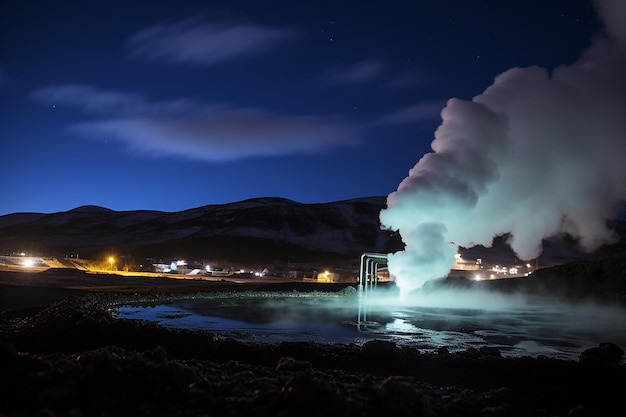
x=255 y=230
x=260 y=229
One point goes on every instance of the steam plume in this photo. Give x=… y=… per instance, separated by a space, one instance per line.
x=535 y=155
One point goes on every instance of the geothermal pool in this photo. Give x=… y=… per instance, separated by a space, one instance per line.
x=516 y=325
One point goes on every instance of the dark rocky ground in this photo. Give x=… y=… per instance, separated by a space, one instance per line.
x=65 y=354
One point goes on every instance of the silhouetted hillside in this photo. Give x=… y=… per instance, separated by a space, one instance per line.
x=260 y=229
x=250 y=230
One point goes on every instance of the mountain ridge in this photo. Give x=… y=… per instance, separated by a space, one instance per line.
x=261 y=229
x=273 y=227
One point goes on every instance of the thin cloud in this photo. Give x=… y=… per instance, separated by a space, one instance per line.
x=198 y=131
x=415 y=78
x=91 y=100
x=190 y=42
x=416 y=113
x=359 y=73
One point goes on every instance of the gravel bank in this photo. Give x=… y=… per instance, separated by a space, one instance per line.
x=74 y=358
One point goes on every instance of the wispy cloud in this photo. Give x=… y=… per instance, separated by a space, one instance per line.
x=205 y=44
x=358 y=73
x=416 y=113
x=197 y=131
x=91 y=100
x=416 y=78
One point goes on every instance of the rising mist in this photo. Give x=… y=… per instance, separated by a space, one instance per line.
x=537 y=154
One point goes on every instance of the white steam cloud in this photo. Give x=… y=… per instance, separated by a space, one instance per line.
x=535 y=155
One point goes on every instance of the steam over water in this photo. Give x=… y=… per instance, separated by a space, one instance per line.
x=454 y=320
x=537 y=154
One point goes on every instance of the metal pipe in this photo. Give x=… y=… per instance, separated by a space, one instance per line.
x=368 y=270
x=361 y=274
x=376 y=275
x=368 y=276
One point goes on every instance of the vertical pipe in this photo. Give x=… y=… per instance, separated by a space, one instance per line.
x=361 y=275
x=368 y=280
x=376 y=275
x=368 y=271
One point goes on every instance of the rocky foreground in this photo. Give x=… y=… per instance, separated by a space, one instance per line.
x=75 y=358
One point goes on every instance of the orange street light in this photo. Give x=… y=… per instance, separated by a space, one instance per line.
x=111 y=260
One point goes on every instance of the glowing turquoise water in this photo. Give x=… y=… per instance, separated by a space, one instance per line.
x=516 y=326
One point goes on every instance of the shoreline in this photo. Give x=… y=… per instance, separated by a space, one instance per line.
x=72 y=356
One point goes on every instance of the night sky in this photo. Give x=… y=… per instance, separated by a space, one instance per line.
x=174 y=105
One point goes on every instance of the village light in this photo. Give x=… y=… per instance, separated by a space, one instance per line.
x=111 y=260
x=180 y=265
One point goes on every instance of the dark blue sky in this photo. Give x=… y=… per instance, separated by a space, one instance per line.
x=173 y=105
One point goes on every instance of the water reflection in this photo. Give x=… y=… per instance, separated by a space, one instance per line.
x=517 y=328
